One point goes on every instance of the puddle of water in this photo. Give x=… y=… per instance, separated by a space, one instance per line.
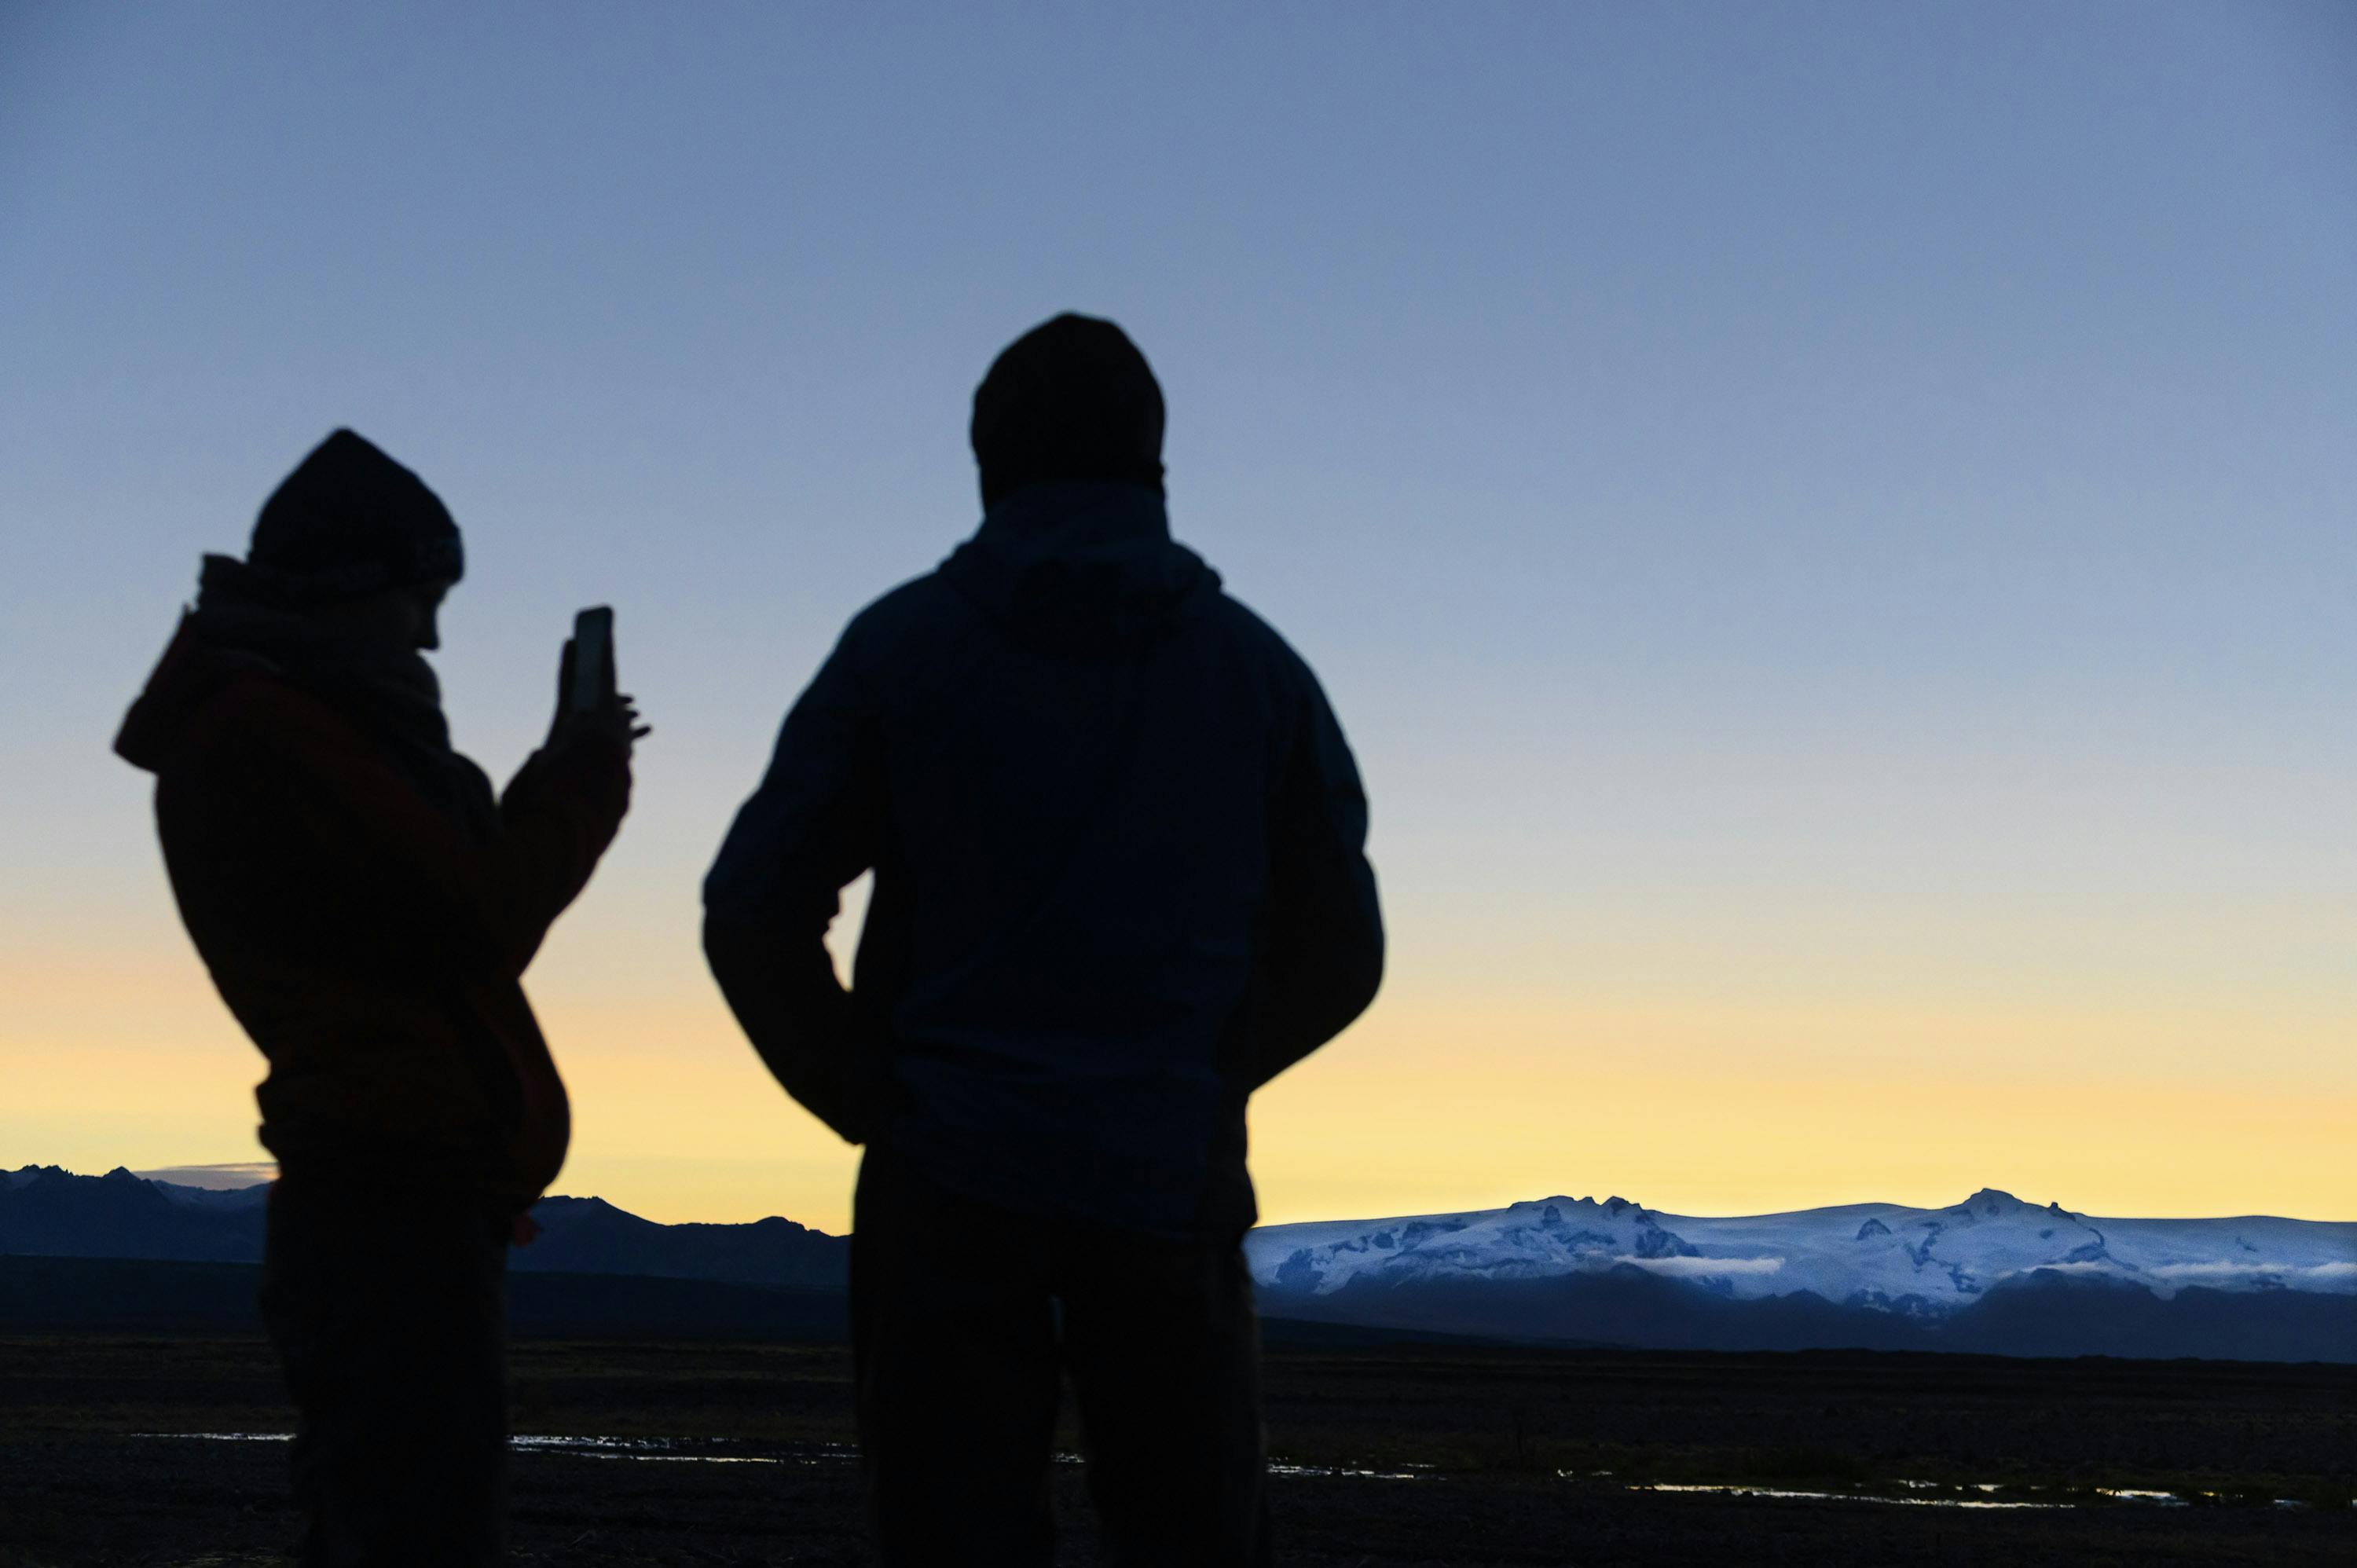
x=651 y=1450
x=1740 y=1491
x=2144 y=1497
x=688 y=1451
x=729 y=1451
x=1413 y=1473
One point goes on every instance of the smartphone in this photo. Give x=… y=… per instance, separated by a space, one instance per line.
x=593 y=659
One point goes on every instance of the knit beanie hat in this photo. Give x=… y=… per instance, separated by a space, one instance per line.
x=1071 y=398
x=349 y=520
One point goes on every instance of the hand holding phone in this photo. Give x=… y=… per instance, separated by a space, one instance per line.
x=587 y=700
x=593 y=660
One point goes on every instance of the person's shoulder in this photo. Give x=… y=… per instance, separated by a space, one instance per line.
x=895 y=633
x=917 y=596
x=254 y=725
x=898 y=612
x=1244 y=627
x=906 y=625
x=257 y=706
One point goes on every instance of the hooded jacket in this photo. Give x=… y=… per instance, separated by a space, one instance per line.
x=1119 y=881
x=365 y=904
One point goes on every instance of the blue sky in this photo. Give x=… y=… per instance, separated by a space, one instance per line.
x=1813 y=515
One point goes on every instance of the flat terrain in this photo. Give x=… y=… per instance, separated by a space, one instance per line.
x=1477 y=1457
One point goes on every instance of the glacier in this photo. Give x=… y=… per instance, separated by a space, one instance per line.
x=1919 y=1263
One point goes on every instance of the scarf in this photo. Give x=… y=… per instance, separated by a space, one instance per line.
x=388 y=693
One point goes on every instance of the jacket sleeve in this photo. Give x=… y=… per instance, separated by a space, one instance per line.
x=1321 y=956
x=477 y=908
x=814 y=824
x=557 y=817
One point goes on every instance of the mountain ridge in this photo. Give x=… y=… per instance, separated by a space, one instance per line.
x=1873 y=1254
x=47 y=1211
x=1990 y=1274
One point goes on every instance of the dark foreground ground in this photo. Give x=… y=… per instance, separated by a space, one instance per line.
x=1482 y=1457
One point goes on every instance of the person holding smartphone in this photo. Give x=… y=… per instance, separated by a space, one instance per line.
x=367 y=906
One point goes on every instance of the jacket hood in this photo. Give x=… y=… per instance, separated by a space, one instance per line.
x=243 y=627
x=193 y=670
x=1081 y=569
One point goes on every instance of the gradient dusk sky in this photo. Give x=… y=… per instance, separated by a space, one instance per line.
x=1829 y=527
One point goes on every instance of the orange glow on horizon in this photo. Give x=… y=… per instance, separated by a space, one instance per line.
x=1697 y=1108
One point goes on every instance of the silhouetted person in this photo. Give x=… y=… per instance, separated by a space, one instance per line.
x=1119 y=884
x=366 y=907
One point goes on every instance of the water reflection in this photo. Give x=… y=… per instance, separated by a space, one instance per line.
x=1742 y=1491
x=652 y=1450
x=1406 y=1472
x=689 y=1451
x=2073 y=1498
x=734 y=1451
x=738 y=1451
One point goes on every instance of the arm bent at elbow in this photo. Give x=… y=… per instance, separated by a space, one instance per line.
x=1322 y=955
x=801 y=1022
x=1318 y=976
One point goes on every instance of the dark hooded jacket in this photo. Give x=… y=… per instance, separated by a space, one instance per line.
x=1119 y=880
x=364 y=903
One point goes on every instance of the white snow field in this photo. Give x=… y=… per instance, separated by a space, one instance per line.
x=1914 y=1261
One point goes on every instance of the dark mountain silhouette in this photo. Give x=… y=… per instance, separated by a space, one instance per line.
x=2045 y=1314
x=146 y=1296
x=48 y=1212
x=590 y=1236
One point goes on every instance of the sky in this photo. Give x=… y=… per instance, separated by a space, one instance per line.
x=1828 y=527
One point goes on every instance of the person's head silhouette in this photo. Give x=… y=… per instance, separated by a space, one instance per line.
x=1071 y=398
x=353 y=538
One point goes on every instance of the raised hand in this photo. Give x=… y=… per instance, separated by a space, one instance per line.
x=615 y=719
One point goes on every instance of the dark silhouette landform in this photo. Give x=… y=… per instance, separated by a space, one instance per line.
x=1991 y=1276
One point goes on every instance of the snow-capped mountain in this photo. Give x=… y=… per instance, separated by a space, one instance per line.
x=1924 y=1262
x=1991 y=1276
